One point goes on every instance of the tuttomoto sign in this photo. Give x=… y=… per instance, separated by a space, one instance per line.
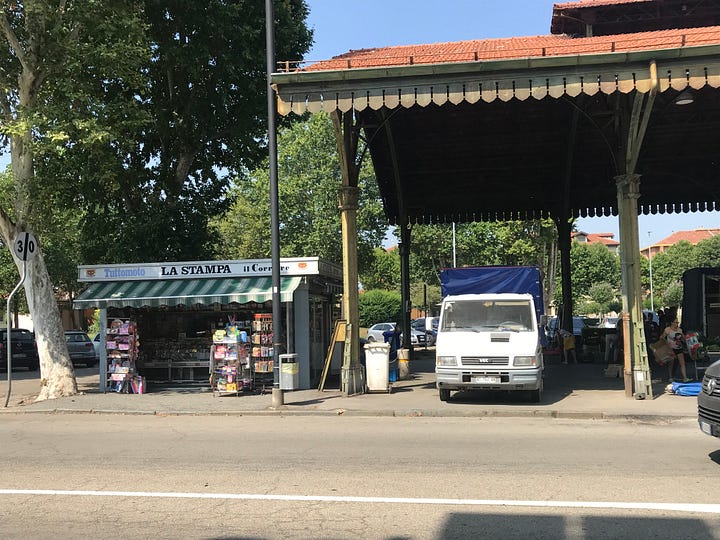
x=300 y=266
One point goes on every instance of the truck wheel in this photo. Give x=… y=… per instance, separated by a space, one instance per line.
x=444 y=394
x=535 y=395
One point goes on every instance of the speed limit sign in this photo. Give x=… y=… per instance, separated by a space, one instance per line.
x=25 y=246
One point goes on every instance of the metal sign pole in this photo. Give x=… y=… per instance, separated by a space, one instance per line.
x=24 y=249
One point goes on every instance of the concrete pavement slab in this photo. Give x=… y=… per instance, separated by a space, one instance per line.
x=571 y=391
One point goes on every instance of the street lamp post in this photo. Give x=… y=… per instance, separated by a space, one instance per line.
x=453 y=242
x=652 y=301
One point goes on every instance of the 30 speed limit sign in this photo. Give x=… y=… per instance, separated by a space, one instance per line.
x=25 y=246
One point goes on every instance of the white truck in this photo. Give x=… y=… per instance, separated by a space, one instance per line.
x=490 y=333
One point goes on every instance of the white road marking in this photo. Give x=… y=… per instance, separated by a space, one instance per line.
x=672 y=507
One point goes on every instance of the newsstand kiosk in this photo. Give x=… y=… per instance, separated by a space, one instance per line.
x=183 y=323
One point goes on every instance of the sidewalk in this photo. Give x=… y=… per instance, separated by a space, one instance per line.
x=571 y=391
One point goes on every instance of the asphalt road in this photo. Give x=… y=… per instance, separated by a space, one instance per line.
x=114 y=476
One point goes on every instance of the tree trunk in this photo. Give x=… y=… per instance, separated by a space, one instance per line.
x=57 y=377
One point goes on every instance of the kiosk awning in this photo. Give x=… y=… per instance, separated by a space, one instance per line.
x=184 y=292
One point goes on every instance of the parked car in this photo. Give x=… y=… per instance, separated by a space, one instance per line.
x=97 y=344
x=578 y=325
x=420 y=325
x=655 y=316
x=609 y=322
x=709 y=401
x=376 y=334
x=417 y=337
x=376 y=331
x=24 y=349
x=81 y=348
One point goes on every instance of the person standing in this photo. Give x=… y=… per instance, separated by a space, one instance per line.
x=675 y=339
x=568 y=341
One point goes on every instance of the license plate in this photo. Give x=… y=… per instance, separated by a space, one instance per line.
x=484 y=380
x=706 y=428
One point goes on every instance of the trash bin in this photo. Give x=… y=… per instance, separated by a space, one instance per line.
x=392 y=338
x=377 y=364
x=289 y=372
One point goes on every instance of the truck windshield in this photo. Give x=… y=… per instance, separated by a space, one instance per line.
x=483 y=315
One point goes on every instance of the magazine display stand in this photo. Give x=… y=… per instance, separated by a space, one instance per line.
x=122 y=343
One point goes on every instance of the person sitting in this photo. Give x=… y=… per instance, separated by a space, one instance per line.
x=675 y=339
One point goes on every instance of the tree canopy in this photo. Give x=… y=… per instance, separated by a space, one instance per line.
x=125 y=117
x=309 y=177
x=206 y=110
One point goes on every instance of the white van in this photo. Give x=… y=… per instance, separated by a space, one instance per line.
x=489 y=342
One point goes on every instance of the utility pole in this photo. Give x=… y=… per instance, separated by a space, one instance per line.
x=454 y=251
x=277 y=393
x=652 y=301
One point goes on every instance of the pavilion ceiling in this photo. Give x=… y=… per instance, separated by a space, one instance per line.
x=506 y=138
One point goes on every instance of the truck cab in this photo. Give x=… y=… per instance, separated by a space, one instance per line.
x=489 y=342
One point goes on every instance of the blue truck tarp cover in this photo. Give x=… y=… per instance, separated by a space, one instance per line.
x=495 y=279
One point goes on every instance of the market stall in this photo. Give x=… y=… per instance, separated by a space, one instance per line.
x=210 y=322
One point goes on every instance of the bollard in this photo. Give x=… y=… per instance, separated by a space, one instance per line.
x=278 y=398
x=404 y=363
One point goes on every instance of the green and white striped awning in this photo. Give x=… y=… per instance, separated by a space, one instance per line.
x=184 y=292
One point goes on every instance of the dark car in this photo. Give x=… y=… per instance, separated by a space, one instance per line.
x=578 y=325
x=421 y=326
x=709 y=401
x=81 y=348
x=23 y=349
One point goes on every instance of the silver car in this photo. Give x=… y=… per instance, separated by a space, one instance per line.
x=81 y=348
x=376 y=333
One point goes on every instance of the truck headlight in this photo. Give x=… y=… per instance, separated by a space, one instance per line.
x=446 y=361
x=525 y=361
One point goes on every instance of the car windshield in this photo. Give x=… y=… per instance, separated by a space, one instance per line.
x=483 y=315
x=76 y=337
x=17 y=334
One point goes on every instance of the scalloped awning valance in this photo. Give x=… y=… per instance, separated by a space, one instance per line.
x=422 y=91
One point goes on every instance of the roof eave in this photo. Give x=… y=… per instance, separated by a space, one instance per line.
x=490 y=66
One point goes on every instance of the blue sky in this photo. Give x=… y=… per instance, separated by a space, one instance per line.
x=342 y=25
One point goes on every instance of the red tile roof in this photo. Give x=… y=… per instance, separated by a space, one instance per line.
x=598 y=238
x=595 y=3
x=518 y=47
x=693 y=237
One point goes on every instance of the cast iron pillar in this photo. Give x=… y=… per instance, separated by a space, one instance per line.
x=637 y=369
x=565 y=317
x=404 y=248
x=352 y=371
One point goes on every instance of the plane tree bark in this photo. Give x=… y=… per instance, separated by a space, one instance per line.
x=48 y=45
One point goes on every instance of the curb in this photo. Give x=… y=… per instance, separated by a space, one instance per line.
x=658 y=419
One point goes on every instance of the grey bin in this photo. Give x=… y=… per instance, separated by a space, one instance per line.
x=289 y=372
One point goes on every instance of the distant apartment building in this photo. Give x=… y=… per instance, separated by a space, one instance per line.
x=607 y=239
x=694 y=236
